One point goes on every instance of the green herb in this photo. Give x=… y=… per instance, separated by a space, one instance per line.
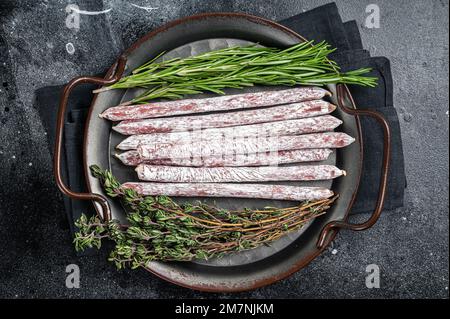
x=160 y=229
x=238 y=67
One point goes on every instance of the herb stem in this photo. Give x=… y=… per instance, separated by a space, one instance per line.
x=160 y=229
x=238 y=67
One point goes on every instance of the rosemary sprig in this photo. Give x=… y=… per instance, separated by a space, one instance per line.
x=160 y=229
x=238 y=67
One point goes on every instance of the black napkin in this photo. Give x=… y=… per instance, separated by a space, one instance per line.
x=323 y=23
x=379 y=99
x=319 y=24
x=350 y=55
x=46 y=102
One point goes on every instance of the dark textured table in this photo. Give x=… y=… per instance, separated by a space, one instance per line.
x=410 y=245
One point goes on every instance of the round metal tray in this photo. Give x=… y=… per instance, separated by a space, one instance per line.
x=256 y=267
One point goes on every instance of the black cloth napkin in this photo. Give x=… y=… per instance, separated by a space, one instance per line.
x=46 y=101
x=322 y=23
x=349 y=55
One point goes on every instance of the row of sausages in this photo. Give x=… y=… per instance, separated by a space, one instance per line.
x=179 y=151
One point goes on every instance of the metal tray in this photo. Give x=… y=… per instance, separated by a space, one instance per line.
x=242 y=270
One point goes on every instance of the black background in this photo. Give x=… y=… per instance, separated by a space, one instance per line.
x=410 y=244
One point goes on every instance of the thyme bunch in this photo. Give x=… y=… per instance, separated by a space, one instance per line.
x=159 y=229
x=238 y=67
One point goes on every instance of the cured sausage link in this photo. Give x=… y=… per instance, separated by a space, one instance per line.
x=280 y=192
x=132 y=158
x=171 y=174
x=222 y=147
x=226 y=119
x=292 y=127
x=220 y=103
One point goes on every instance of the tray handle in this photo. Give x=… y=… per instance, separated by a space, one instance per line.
x=113 y=77
x=342 y=92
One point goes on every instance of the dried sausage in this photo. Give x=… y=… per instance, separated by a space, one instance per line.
x=132 y=158
x=219 y=103
x=280 y=192
x=233 y=146
x=182 y=174
x=225 y=119
x=291 y=127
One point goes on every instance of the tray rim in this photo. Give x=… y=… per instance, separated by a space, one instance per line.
x=333 y=233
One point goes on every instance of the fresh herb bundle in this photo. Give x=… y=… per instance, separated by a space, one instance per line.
x=238 y=67
x=161 y=230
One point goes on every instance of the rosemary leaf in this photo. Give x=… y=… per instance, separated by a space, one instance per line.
x=238 y=67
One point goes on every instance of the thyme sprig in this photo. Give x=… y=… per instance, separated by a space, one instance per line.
x=238 y=67
x=159 y=229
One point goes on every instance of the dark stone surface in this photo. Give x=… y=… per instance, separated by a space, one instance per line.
x=410 y=245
